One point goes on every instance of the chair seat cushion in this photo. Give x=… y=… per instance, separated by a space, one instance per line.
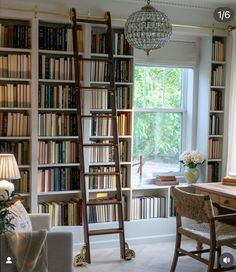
x=225 y=234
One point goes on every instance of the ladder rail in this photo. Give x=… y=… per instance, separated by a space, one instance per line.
x=80 y=136
x=115 y=134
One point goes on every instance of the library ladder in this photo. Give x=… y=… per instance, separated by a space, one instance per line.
x=126 y=253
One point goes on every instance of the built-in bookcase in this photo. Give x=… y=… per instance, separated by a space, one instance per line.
x=216 y=109
x=15 y=95
x=101 y=129
x=58 y=161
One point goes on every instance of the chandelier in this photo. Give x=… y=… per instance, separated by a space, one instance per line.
x=148 y=28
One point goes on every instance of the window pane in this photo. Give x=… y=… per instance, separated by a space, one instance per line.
x=157 y=138
x=158 y=87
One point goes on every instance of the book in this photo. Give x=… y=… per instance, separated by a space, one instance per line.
x=229 y=181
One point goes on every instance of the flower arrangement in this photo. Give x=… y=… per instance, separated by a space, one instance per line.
x=191 y=158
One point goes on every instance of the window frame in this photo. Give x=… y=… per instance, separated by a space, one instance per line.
x=184 y=109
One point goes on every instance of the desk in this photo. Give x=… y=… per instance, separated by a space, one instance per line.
x=224 y=195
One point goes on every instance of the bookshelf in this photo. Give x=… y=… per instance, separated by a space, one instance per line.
x=15 y=96
x=216 y=110
x=58 y=164
x=101 y=129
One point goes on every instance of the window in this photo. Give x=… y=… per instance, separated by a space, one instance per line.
x=159 y=110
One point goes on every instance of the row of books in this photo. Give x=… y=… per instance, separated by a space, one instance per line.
x=119 y=43
x=100 y=71
x=216 y=100
x=214 y=150
x=57 y=68
x=106 y=181
x=15 y=35
x=15 y=66
x=147 y=207
x=214 y=125
x=101 y=154
x=14 y=124
x=218 y=51
x=57 y=96
x=58 y=179
x=15 y=95
x=106 y=154
x=103 y=126
x=63 y=213
x=105 y=213
x=101 y=98
x=213 y=172
x=51 y=152
x=21 y=150
x=22 y=185
x=217 y=78
x=59 y=38
x=61 y=124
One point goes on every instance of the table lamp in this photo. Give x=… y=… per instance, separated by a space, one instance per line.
x=8 y=170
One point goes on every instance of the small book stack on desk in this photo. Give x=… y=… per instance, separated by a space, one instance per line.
x=229 y=181
x=165 y=180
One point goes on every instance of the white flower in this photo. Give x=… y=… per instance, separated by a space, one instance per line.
x=191 y=158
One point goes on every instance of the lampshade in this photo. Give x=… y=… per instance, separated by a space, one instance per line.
x=148 y=29
x=8 y=167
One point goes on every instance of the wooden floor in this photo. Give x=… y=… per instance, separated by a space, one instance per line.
x=149 y=258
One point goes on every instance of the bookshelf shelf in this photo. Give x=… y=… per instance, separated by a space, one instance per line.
x=56 y=81
x=15 y=50
x=215 y=163
x=51 y=165
x=15 y=79
x=72 y=192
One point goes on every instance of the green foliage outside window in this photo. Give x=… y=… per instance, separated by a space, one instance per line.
x=157 y=134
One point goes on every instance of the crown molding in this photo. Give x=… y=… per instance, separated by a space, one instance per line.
x=196 y=4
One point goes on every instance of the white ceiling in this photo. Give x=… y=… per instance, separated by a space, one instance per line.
x=212 y=4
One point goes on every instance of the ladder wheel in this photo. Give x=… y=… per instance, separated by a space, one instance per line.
x=80 y=259
x=129 y=253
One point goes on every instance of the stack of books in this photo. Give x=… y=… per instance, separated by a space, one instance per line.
x=165 y=180
x=229 y=181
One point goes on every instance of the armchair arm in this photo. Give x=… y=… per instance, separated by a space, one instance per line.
x=40 y=221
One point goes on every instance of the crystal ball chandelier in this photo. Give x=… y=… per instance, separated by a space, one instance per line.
x=148 y=28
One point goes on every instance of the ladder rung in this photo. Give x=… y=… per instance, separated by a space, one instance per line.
x=102 y=59
x=105 y=231
x=99 y=116
x=102 y=174
x=103 y=202
x=100 y=144
x=91 y=21
x=98 y=87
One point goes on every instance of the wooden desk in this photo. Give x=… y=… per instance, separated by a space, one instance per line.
x=224 y=195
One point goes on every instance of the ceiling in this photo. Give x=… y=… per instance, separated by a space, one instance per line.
x=211 y=4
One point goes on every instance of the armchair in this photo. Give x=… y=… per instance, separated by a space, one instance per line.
x=59 y=246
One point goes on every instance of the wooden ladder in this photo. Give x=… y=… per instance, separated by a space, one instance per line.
x=113 y=143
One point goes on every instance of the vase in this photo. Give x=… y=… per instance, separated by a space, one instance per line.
x=191 y=174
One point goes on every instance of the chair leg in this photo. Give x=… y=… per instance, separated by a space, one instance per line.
x=218 y=257
x=211 y=259
x=176 y=253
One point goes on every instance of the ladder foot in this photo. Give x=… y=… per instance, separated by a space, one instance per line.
x=129 y=253
x=80 y=259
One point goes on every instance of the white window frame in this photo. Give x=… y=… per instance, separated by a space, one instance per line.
x=187 y=110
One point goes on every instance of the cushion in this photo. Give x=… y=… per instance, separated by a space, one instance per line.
x=20 y=219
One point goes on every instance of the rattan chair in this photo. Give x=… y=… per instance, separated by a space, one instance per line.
x=207 y=228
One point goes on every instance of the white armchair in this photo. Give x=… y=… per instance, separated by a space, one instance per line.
x=59 y=246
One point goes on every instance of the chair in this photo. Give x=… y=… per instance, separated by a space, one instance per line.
x=59 y=246
x=207 y=228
